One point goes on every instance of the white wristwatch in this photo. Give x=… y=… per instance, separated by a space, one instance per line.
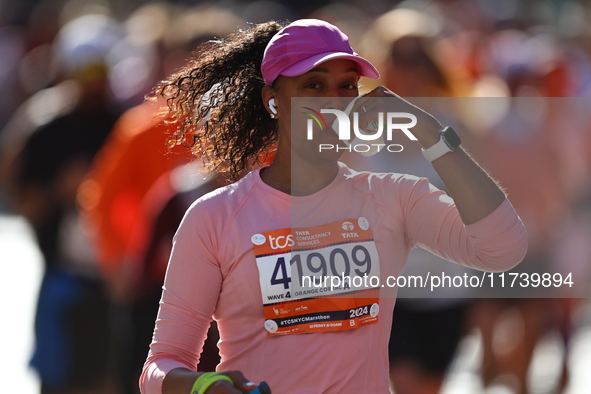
x=448 y=142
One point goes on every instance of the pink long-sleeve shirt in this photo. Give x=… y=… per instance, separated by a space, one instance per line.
x=213 y=273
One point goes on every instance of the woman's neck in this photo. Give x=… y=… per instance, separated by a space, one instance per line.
x=299 y=178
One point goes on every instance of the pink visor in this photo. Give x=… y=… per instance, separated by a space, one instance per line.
x=303 y=45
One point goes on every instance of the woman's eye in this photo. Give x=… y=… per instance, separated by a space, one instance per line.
x=313 y=85
x=350 y=86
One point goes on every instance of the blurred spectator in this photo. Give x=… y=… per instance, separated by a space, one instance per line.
x=110 y=199
x=522 y=154
x=46 y=149
x=136 y=154
x=132 y=159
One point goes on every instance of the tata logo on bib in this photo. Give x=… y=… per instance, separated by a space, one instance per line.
x=347 y=226
x=388 y=123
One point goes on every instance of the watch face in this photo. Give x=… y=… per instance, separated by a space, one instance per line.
x=451 y=138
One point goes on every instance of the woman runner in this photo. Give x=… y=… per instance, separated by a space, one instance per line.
x=240 y=251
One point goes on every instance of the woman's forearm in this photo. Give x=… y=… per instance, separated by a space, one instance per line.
x=474 y=192
x=179 y=381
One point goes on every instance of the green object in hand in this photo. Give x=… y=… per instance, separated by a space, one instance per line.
x=207 y=379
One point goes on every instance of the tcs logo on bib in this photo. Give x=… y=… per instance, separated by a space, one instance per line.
x=281 y=241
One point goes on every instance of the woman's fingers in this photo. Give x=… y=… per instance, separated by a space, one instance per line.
x=381 y=91
x=397 y=114
x=222 y=387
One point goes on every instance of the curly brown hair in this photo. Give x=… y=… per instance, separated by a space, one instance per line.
x=215 y=103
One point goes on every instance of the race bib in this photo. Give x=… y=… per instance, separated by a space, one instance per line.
x=316 y=279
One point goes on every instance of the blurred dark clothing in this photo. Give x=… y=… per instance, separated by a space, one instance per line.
x=52 y=140
x=64 y=145
x=70 y=332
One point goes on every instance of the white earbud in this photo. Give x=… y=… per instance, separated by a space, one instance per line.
x=272 y=106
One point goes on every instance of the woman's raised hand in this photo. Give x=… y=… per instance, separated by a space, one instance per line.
x=410 y=119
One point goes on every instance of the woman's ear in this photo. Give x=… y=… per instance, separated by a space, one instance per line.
x=268 y=96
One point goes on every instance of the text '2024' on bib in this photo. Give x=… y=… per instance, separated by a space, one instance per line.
x=317 y=279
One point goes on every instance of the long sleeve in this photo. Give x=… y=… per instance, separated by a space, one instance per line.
x=191 y=288
x=498 y=242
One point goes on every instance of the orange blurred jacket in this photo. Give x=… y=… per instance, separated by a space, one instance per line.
x=133 y=158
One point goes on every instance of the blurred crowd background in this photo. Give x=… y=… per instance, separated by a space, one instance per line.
x=84 y=161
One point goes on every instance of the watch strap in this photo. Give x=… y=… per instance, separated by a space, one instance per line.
x=436 y=151
x=448 y=142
